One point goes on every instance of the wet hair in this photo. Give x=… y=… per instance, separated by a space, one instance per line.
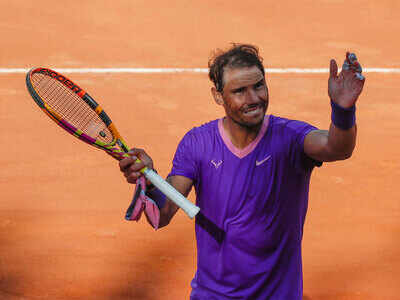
x=238 y=56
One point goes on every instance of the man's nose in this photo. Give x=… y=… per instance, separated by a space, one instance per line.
x=251 y=96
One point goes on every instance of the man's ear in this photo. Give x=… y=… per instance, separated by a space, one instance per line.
x=217 y=96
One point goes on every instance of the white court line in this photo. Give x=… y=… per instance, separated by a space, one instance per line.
x=188 y=70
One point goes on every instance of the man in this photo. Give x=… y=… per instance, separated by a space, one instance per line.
x=251 y=173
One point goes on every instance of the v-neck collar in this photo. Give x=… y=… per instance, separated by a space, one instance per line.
x=240 y=153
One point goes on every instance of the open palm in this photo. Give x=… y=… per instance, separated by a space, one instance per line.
x=344 y=89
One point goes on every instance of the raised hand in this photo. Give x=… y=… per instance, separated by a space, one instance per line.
x=344 y=89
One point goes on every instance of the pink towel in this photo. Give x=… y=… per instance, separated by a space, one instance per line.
x=140 y=203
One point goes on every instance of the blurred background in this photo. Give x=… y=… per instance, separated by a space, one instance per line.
x=62 y=228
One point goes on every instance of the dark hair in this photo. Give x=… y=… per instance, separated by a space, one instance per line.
x=239 y=55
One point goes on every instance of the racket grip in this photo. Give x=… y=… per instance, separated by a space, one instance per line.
x=188 y=207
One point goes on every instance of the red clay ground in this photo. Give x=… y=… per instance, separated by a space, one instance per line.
x=62 y=232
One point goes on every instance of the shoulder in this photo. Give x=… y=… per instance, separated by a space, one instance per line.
x=291 y=134
x=205 y=128
x=199 y=137
x=204 y=131
x=196 y=142
x=290 y=126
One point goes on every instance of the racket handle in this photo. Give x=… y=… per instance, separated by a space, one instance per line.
x=188 y=207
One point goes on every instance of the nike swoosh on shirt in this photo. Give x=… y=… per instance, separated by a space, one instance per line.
x=262 y=161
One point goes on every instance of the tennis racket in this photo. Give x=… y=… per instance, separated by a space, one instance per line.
x=74 y=110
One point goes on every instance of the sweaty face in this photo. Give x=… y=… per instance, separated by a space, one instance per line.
x=245 y=96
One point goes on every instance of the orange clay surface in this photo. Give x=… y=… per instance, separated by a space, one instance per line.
x=62 y=203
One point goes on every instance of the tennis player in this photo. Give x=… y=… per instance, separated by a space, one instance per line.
x=251 y=173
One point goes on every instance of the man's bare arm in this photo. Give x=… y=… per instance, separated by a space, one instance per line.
x=181 y=184
x=332 y=145
x=344 y=89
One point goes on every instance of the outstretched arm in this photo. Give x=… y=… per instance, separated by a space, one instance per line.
x=339 y=141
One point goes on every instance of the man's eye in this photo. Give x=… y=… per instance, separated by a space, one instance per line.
x=259 y=85
x=238 y=91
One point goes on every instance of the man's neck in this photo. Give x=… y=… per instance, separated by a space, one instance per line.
x=240 y=136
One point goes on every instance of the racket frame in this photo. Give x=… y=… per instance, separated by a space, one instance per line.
x=118 y=153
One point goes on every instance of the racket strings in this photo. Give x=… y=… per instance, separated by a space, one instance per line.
x=71 y=107
x=74 y=111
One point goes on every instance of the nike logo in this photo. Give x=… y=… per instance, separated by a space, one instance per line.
x=216 y=164
x=258 y=163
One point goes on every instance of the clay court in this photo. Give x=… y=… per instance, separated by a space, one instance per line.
x=62 y=228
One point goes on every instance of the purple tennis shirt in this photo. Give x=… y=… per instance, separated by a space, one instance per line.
x=258 y=195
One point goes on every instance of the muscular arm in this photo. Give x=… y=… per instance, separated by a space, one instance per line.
x=344 y=90
x=181 y=184
x=332 y=145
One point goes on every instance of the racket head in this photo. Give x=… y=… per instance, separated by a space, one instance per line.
x=74 y=110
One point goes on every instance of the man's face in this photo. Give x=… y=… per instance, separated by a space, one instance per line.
x=245 y=95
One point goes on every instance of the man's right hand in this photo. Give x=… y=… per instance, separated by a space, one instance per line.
x=131 y=168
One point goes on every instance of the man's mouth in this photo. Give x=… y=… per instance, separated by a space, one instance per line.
x=254 y=109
